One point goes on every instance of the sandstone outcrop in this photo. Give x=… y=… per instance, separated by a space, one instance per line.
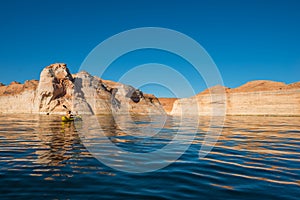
x=167 y=103
x=264 y=98
x=15 y=88
x=54 y=90
x=99 y=96
x=87 y=94
x=261 y=85
x=81 y=92
x=253 y=98
x=18 y=98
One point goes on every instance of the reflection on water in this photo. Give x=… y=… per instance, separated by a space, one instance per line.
x=131 y=144
x=254 y=157
x=56 y=147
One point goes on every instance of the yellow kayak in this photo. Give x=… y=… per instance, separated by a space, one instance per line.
x=70 y=119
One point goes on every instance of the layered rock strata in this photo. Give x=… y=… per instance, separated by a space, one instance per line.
x=252 y=98
x=58 y=90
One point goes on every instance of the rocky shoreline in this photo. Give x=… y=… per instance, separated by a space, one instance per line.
x=81 y=92
x=87 y=94
x=259 y=98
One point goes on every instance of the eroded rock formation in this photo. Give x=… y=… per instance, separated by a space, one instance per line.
x=58 y=89
x=54 y=90
x=84 y=93
x=253 y=98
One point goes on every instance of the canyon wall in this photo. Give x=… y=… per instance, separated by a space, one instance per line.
x=264 y=103
x=58 y=91
x=18 y=98
x=253 y=98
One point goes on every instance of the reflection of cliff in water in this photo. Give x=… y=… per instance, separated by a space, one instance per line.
x=58 y=141
x=254 y=134
x=138 y=133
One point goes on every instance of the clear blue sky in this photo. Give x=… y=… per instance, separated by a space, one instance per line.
x=247 y=39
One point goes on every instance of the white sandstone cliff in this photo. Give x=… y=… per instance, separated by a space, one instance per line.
x=252 y=98
x=80 y=92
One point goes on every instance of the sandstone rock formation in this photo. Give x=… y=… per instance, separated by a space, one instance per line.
x=167 y=103
x=18 y=98
x=253 y=98
x=261 y=85
x=81 y=92
x=54 y=90
x=84 y=93
x=92 y=94
x=264 y=98
x=15 y=88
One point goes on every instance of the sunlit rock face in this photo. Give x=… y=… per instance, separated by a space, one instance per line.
x=253 y=98
x=264 y=98
x=58 y=91
x=18 y=98
x=54 y=90
x=97 y=96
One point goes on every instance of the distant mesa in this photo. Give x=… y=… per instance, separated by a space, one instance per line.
x=253 y=86
x=89 y=94
x=260 y=97
x=215 y=89
x=15 y=87
x=262 y=85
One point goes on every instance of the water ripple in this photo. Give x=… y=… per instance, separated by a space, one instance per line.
x=254 y=157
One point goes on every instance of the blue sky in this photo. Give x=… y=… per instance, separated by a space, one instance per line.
x=248 y=40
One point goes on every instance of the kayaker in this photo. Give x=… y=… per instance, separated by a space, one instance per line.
x=69 y=114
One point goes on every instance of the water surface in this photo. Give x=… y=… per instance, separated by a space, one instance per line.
x=254 y=158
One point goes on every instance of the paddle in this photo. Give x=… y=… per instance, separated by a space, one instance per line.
x=66 y=107
x=69 y=110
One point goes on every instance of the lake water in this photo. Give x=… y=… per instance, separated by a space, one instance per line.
x=254 y=158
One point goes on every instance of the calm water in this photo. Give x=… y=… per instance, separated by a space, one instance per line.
x=254 y=158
